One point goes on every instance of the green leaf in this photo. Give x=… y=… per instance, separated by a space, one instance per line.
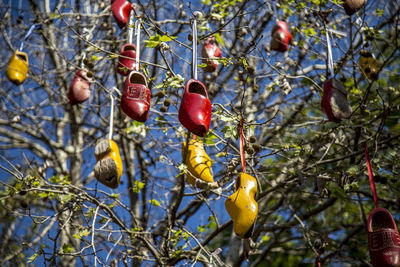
x=66 y=248
x=138 y=186
x=154 y=202
x=155 y=41
x=219 y=39
x=32 y=258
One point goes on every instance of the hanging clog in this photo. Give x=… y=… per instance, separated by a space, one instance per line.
x=369 y=65
x=334 y=101
x=209 y=51
x=281 y=37
x=121 y=10
x=135 y=100
x=242 y=206
x=383 y=239
x=195 y=109
x=108 y=168
x=79 y=90
x=352 y=6
x=17 y=68
x=126 y=65
x=198 y=164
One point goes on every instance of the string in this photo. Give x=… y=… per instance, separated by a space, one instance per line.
x=317 y=261
x=110 y=133
x=359 y=23
x=371 y=176
x=241 y=140
x=330 y=59
x=275 y=11
x=27 y=35
x=137 y=32
x=83 y=58
x=130 y=31
x=194 y=50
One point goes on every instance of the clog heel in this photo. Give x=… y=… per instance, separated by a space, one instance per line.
x=195 y=109
x=135 y=100
x=17 y=68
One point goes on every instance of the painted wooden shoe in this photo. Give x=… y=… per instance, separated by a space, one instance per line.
x=334 y=101
x=369 y=65
x=281 y=37
x=108 y=169
x=135 y=100
x=195 y=109
x=121 y=10
x=209 y=51
x=383 y=239
x=79 y=90
x=198 y=164
x=17 y=68
x=352 y=6
x=127 y=59
x=242 y=206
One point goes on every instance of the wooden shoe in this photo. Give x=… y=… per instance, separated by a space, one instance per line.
x=79 y=90
x=242 y=206
x=369 y=65
x=383 y=239
x=108 y=169
x=126 y=65
x=334 y=101
x=281 y=37
x=195 y=109
x=17 y=68
x=135 y=100
x=209 y=52
x=121 y=10
x=352 y=6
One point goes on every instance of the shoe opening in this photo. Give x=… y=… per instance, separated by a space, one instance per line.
x=129 y=48
x=197 y=88
x=137 y=78
x=237 y=184
x=381 y=220
x=22 y=56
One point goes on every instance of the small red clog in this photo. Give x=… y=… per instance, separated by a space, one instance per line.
x=135 y=100
x=121 y=10
x=195 y=109
x=334 y=101
x=209 y=52
x=79 y=90
x=281 y=37
x=126 y=65
x=383 y=239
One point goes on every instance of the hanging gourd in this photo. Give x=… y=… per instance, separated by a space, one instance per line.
x=135 y=100
x=79 y=90
x=198 y=164
x=127 y=59
x=17 y=68
x=352 y=6
x=195 y=108
x=334 y=99
x=210 y=53
x=241 y=205
x=369 y=65
x=383 y=236
x=18 y=65
x=108 y=168
x=281 y=37
x=121 y=10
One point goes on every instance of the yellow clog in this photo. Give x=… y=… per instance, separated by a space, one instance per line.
x=17 y=68
x=369 y=65
x=198 y=164
x=242 y=206
x=108 y=169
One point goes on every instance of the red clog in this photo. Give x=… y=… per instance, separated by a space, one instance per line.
x=281 y=37
x=195 y=110
x=209 y=51
x=352 y=6
x=121 y=10
x=135 y=100
x=126 y=65
x=79 y=90
x=383 y=239
x=334 y=101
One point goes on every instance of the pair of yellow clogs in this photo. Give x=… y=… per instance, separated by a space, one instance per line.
x=17 y=68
